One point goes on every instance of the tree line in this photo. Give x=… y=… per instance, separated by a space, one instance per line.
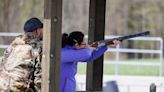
x=122 y=16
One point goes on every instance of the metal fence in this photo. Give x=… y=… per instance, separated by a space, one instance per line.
x=119 y=50
x=3 y=46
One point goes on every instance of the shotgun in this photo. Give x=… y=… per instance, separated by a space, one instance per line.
x=110 y=41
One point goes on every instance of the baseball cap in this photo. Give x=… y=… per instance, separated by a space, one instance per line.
x=32 y=24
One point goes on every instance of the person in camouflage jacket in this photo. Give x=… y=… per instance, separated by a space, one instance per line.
x=20 y=67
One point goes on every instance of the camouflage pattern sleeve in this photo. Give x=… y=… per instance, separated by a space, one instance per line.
x=20 y=69
x=38 y=70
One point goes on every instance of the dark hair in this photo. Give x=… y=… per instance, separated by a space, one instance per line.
x=32 y=24
x=64 y=39
x=73 y=38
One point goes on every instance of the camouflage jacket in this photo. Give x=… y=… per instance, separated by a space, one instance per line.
x=20 y=68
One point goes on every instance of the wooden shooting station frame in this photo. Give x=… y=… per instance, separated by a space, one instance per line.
x=96 y=32
x=52 y=45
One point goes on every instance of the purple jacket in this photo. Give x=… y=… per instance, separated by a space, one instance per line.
x=69 y=59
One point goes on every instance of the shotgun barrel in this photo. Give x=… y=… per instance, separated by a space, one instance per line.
x=122 y=38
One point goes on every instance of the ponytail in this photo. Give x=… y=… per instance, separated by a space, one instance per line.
x=64 y=39
x=73 y=38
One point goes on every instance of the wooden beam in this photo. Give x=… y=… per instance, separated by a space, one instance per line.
x=96 y=32
x=51 y=46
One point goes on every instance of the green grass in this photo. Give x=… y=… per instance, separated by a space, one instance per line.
x=132 y=70
x=127 y=69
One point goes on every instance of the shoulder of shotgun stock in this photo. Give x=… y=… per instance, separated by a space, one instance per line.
x=110 y=41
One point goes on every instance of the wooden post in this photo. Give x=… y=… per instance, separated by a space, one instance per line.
x=51 y=46
x=96 y=32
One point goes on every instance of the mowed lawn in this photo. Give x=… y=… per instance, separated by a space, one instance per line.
x=127 y=69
